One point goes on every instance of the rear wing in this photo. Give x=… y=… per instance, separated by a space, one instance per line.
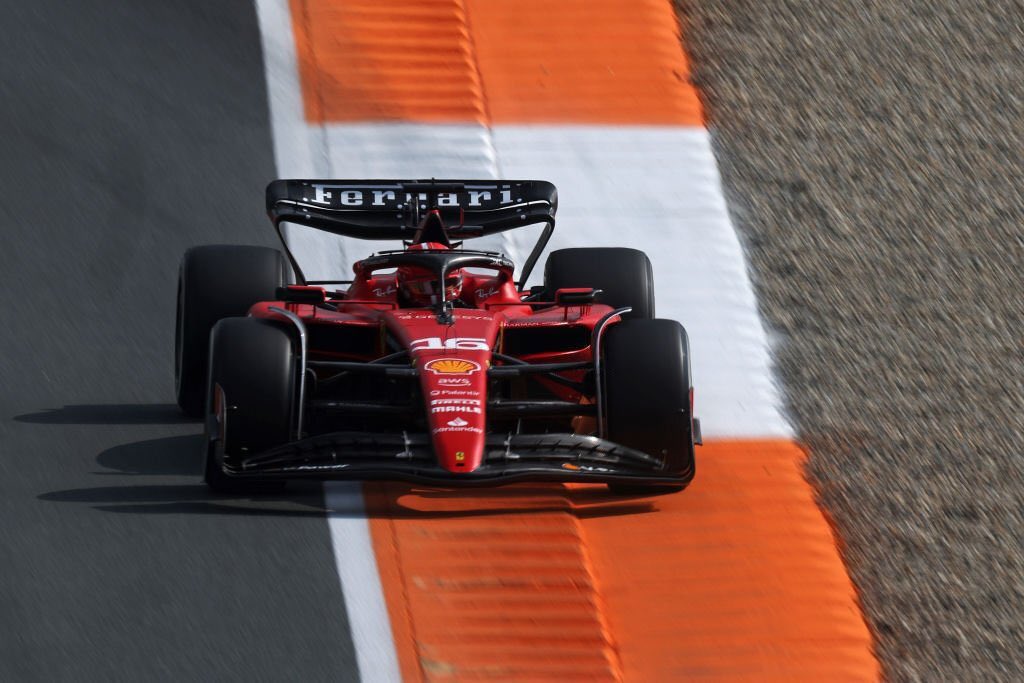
x=396 y=209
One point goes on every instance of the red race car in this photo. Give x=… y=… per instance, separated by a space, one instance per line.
x=432 y=364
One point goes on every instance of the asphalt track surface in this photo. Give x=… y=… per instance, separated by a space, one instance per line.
x=871 y=158
x=871 y=153
x=132 y=131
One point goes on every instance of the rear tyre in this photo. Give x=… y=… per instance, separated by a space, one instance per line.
x=253 y=364
x=624 y=276
x=214 y=282
x=647 y=397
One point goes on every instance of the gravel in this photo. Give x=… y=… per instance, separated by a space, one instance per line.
x=872 y=156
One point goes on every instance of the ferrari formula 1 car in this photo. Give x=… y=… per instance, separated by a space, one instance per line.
x=433 y=364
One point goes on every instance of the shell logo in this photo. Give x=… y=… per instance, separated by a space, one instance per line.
x=452 y=366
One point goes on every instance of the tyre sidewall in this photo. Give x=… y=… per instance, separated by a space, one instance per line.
x=254 y=363
x=646 y=375
x=214 y=282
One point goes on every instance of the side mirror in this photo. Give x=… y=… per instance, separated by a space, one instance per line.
x=301 y=294
x=577 y=296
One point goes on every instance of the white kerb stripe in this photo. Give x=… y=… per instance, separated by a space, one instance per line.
x=657 y=189
x=653 y=188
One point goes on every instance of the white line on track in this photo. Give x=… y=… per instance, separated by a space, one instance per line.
x=349 y=529
x=360 y=583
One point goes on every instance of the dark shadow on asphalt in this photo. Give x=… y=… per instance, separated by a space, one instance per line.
x=109 y=414
x=181 y=456
x=177 y=499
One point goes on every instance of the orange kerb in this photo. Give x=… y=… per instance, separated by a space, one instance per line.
x=736 y=578
x=493 y=61
x=385 y=60
x=493 y=585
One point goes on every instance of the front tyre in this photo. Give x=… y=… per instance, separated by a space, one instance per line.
x=214 y=282
x=253 y=375
x=646 y=375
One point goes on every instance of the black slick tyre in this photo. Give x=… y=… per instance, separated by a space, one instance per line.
x=646 y=373
x=214 y=282
x=253 y=374
x=623 y=275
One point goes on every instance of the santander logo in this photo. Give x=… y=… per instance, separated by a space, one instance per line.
x=457 y=422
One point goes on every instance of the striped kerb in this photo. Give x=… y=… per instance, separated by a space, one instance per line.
x=739 y=577
x=487 y=61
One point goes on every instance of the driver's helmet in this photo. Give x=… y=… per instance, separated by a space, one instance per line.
x=418 y=286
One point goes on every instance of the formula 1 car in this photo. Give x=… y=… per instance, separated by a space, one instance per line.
x=432 y=364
